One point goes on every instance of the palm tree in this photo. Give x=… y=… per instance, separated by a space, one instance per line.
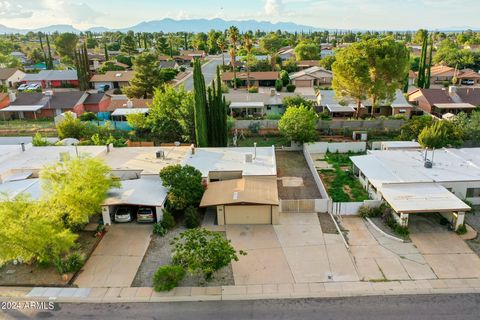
x=233 y=37
x=248 y=44
x=222 y=44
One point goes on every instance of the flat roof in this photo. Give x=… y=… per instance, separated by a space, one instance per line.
x=248 y=190
x=233 y=159
x=144 y=158
x=28 y=187
x=400 y=144
x=335 y=107
x=454 y=106
x=127 y=111
x=146 y=191
x=407 y=166
x=236 y=105
x=22 y=108
x=421 y=197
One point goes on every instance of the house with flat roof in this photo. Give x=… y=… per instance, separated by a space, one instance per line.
x=439 y=102
x=53 y=78
x=415 y=181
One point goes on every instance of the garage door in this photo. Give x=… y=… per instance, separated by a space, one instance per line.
x=248 y=215
x=303 y=83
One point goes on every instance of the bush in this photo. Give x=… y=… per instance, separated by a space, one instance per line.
x=398 y=229
x=291 y=87
x=88 y=116
x=225 y=88
x=39 y=141
x=71 y=263
x=192 y=218
x=278 y=85
x=168 y=222
x=182 y=68
x=253 y=89
x=117 y=91
x=461 y=229
x=158 y=229
x=167 y=277
x=254 y=127
x=274 y=116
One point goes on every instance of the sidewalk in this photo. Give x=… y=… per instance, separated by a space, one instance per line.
x=248 y=292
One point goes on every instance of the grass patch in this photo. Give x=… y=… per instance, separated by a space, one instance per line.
x=341 y=183
x=263 y=141
x=27 y=124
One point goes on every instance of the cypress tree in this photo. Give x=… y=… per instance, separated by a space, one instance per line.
x=429 y=70
x=200 y=110
x=43 y=49
x=49 y=63
x=105 y=52
x=423 y=63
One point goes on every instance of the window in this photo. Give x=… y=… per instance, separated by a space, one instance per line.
x=269 y=108
x=473 y=192
x=402 y=111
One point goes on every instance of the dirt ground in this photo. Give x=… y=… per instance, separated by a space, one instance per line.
x=43 y=276
x=159 y=254
x=326 y=223
x=293 y=164
x=473 y=220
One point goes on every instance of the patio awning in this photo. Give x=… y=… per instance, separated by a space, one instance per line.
x=22 y=108
x=421 y=197
x=146 y=191
x=339 y=108
x=454 y=106
x=127 y=111
x=242 y=105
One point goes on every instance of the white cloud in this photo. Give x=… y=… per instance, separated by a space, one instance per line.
x=10 y=10
x=273 y=7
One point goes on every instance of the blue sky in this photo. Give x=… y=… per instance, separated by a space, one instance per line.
x=345 y=14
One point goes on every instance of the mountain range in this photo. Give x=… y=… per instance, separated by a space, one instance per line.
x=171 y=25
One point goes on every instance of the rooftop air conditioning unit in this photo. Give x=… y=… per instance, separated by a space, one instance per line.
x=160 y=154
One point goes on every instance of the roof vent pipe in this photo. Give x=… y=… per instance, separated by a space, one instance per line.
x=23 y=146
x=254 y=150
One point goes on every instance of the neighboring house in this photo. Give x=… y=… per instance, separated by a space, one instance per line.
x=442 y=74
x=311 y=77
x=468 y=76
x=451 y=100
x=114 y=79
x=170 y=64
x=10 y=77
x=244 y=104
x=305 y=64
x=95 y=61
x=53 y=78
x=193 y=53
x=257 y=79
x=38 y=105
x=183 y=60
x=328 y=102
x=286 y=53
x=120 y=106
x=420 y=181
x=20 y=56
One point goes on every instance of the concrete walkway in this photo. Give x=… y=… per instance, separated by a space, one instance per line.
x=248 y=292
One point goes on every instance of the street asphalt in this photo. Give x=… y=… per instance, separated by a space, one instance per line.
x=209 y=70
x=444 y=307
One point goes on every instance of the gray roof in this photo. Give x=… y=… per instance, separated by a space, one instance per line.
x=29 y=99
x=267 y=98
x=51 y=75
x=94 y=98
x=6 y=73
x=327 y=97
x=66 y=100
x=168 y=64
x=310 y=71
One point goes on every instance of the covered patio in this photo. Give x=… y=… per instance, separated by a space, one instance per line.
x=121 y=114
x=20 y=110
x=338 y=110
x=413 y=198
x=245 y=109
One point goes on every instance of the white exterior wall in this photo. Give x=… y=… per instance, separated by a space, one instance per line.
x=15 y=78
x=460 y=189
x=341 y=147
x=98 y=85
x=159 y=212
x=107 y=220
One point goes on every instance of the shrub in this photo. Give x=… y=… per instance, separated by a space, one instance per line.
x=71 y=263
x=398 y=229
x=253 y=89
x=39 y=141
x=158 y=229
x=225 y=88
x=278 y=85
x=291 y=87
x=167 y=277
x=117 y=91
x=182 y=68
x=462 y=229
x=168 y=222
x=192 y=218
x=274 y=116
x=88 y=116
x=365 y=212
x=254 y=127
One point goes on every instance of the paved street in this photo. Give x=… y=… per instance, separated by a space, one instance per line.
x=209 y=71
x=432 y=307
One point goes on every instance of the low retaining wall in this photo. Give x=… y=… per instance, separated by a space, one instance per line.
x=340 y=147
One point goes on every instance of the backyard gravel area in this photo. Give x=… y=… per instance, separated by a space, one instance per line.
x=159 y=254
x=473 y=220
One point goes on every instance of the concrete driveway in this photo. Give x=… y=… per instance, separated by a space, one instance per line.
x=295 y=251
x=115 y=261
x=447 y=254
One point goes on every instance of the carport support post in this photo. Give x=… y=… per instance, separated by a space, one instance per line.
x=404 y=219
x=459 y=219
x=107 y=221
x=159 y=213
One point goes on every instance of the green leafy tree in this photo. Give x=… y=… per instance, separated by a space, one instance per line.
x=76 y=188
x=71 y=127
x=185 y=186
x=203 y=252
x=6 y=46
x=296 y=101
x=271 y=43
x=448 y=53
x=167 y=277
x=217 y=114
x=36 y=55
x=128 y=45
x=222 y=45
x=441 y=134
x=65 y=44
x=412 y=127
x=278 y=85
x=109 y=66
x=290 y=65
x=8 y=61
x=307 y=50
x=327 y=62
x=298 y=123
x=30 y=231
x=470 y=125
x=147 y=76
x=284 y=77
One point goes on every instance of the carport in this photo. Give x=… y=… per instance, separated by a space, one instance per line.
x=146 y=191
x=413 y=198
x=250 y=200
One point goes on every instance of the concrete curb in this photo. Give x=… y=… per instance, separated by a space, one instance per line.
x=386 y=235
